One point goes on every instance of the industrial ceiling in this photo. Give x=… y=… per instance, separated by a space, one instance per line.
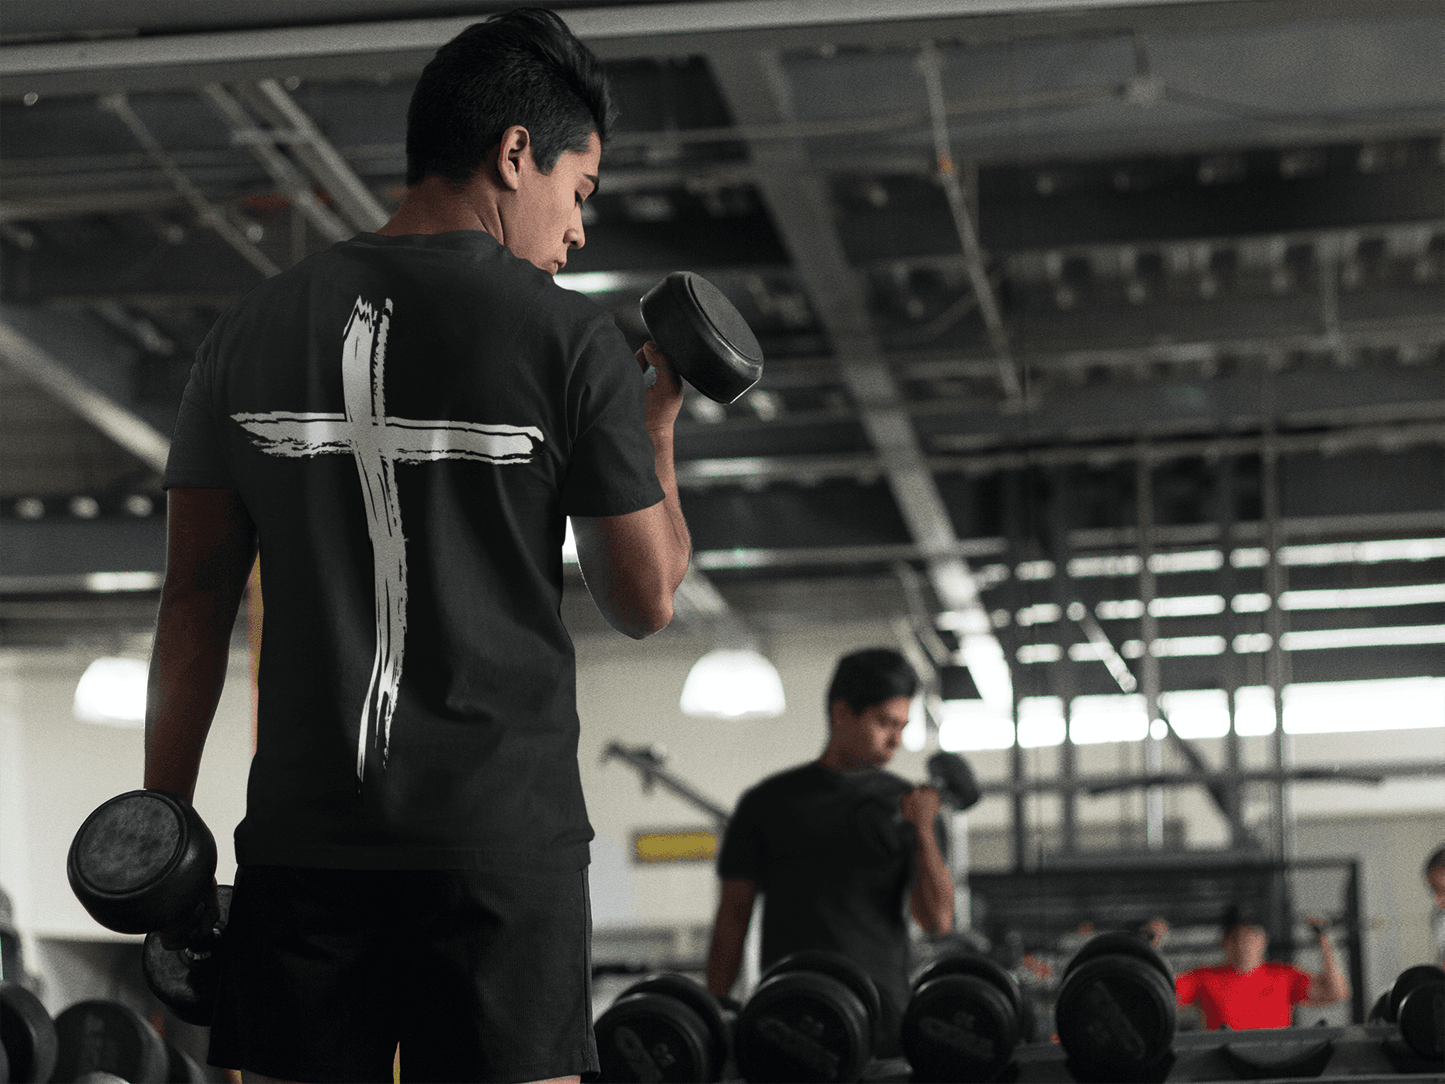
x=1136 y=306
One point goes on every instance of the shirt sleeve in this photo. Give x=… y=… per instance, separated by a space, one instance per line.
x=1186 y=987
x=611 y=469
x=1299 y=985
x=196 y=459
x=743 y=853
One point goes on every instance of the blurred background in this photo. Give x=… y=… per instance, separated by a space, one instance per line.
x=1106 y=378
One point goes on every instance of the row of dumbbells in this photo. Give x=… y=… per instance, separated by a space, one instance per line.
x=814 y=1017
x=815 y=1014
x=92 y=1042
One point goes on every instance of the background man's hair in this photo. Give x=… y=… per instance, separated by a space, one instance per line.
x=521 y=67
x=868 y=677
x=1241 y=913
x=1435 y=861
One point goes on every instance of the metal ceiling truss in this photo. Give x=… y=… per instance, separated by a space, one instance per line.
x=755 y=87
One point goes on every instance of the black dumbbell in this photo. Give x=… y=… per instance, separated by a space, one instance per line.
x=1416 y=1002
x=108 y=1037
x=812 y=1018
x=145 y=862
x=955 y=781
x=705 y=338
x=964 y=1020
x=1115 y=1013
x=666 y=1028
x=27 y=1035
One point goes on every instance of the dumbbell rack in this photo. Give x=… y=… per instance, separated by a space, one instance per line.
x=1355 y=1054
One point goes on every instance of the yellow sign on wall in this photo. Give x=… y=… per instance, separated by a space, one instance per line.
x=688 y=845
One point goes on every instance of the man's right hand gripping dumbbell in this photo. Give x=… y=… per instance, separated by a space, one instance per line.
x=145 y=862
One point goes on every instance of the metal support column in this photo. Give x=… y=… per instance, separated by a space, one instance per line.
x=1230 y=677
x=1065 y=687
x=1149 y=678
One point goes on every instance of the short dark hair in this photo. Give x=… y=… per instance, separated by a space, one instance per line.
x=520 y=67
x=1435 y=861
x=868 y=677
x=1243 y=913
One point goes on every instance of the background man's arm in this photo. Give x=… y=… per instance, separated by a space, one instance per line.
x=632 y=564
x=1330 y=986
x=210 y=548
x=931 y=898
x=734 y=911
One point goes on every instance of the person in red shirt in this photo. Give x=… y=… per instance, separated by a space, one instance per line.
x=1248 y=991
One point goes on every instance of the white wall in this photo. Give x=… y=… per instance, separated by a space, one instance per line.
x=54 y=771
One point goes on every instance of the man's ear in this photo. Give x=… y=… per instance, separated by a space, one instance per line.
x=515 y=146
x=838 y=712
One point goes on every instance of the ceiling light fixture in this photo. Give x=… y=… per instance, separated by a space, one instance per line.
x=112 y=692
x=732 y=683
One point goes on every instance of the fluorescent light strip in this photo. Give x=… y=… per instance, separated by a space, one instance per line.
x=1348 y=598
x=1033 y=653
x=1344 y=553
x=593 y=282
x=1321 y=639
x=1310 y=708
x=1039 y=614
x=1035 y=570
x=1331 y=553
x=105 y=582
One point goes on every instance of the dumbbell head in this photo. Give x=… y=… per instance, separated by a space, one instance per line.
x=1406 y=981
x=807 y=1021
x=665 y=1028
x=840 y=967
x=1120 y=943
x=954 y=779
x=1115 y=1013
x=705 y=338
x=186 y=978
x=1419 y=1000
x=142 y=862
x=108 y=1037
x=27 y=1035
x=963 y=1021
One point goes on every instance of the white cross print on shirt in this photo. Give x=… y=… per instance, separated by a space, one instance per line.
x=378 y=443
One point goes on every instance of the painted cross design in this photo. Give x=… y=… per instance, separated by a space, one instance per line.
x=378 y=443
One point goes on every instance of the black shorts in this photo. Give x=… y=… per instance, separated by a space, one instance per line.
x=480 y=976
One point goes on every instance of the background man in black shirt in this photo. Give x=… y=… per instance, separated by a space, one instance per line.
x=403 y=423
x=827 y=847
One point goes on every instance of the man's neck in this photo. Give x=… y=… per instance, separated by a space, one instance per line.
x=434 y=205
x=836 y=759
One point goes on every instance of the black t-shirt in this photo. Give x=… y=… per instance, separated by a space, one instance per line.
x=409 y=420
x=833 y=860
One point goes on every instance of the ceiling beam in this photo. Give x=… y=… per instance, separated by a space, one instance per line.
x=262 y=144
x=360 y=50
x=109 y=413
x=756 y=90
x=206 y=211
x=328 y=165
x=702 y=473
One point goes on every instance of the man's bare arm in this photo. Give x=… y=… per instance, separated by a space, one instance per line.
x=633 y=563
x=1330 y=986
x=734 y=912
x=210 y=548
x=930 y=900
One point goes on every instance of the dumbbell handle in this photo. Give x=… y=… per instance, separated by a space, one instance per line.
x=197 y=932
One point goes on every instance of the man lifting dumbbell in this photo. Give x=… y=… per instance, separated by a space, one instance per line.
x=824 y=844
x=404 y=421
x=1248 y=991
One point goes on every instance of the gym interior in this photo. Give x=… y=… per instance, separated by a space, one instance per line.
x=1104 y=379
